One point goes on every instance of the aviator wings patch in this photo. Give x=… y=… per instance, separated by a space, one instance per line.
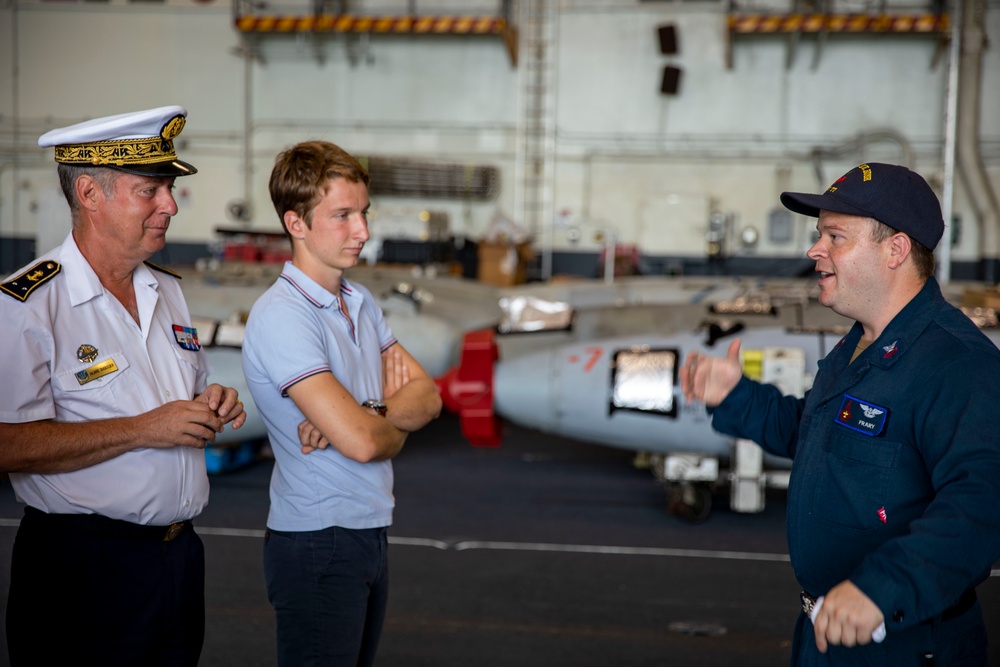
x=861 y=416
x=870 y=412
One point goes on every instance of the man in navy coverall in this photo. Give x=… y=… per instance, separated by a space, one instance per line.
x=895 y=484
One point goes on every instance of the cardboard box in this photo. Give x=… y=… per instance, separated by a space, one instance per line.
x=981 y=297
x=503 y=264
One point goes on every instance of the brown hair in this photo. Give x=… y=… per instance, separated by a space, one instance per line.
x=923 y=259
x=301 y=173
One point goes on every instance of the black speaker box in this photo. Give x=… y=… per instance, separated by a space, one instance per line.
x=671 y=80
x=668 y=39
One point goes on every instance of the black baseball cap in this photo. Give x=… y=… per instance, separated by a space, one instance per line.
x=890 y=193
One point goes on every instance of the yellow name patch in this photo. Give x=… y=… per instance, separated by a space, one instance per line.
x=96 y=371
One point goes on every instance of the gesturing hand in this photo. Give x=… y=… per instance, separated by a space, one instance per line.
x=710 y=379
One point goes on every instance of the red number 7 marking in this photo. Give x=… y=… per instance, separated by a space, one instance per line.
x=595 y=354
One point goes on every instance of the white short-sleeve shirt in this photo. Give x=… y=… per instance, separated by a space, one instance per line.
x=77 y=355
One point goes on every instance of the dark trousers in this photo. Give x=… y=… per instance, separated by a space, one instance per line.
x=87 y=590
x=329 y=590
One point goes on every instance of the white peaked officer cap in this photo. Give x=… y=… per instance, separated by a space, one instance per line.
x=140 y=142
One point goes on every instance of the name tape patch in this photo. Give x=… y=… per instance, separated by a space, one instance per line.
x=96 y=371
x=861 y=416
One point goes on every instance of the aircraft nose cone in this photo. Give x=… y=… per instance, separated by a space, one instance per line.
x=522 y=389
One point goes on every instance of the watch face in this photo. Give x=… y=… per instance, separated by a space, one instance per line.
x=377 y=406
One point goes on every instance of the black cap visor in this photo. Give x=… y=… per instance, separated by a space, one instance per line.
x=167 y=169
x=811 y=204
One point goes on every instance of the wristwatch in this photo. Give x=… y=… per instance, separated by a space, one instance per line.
x=377 y=406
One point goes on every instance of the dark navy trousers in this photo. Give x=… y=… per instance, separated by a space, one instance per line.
x=87 y=590
x=329 y=590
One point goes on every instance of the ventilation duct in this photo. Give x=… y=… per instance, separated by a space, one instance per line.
x=401 y=177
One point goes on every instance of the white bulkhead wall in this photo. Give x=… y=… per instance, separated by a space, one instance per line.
x=648 y=166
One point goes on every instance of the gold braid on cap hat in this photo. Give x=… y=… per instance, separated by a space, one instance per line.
x=121 y=152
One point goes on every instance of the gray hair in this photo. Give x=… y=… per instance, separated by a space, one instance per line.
x=67 y=181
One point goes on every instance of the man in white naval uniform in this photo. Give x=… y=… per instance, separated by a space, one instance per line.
x=104 y=413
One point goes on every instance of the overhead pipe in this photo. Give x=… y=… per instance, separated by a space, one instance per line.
x=856 y=146
x=943 y=268
x=245 y=214
x=16 y=163
x=982 y=196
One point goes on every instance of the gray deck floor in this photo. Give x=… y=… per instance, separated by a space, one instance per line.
x=541 y=552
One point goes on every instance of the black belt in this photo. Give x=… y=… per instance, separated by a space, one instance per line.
x=963 y=605
x=102 y=525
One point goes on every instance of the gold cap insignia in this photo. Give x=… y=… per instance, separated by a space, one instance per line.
x=173 y=127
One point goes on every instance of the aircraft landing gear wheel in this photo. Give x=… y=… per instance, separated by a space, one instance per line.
x=691 y=502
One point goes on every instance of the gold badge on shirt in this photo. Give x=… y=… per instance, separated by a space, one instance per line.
x=86 y=353
x=96 y=371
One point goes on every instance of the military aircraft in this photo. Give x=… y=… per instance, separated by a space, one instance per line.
x=624 y=392
x=431 y=313
x=577 y=358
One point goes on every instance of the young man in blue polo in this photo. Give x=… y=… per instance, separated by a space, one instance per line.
x=339 y=395
x=895 y=481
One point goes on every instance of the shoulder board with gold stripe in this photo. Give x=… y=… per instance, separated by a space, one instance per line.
x=22 y=286
x=157 y=267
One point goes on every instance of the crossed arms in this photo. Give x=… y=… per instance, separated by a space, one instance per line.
x=335 y=419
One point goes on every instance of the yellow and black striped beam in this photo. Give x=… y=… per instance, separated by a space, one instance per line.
x=762 y=24
x=388 y=25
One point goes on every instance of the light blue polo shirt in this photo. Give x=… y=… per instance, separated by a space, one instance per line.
x=296 y=330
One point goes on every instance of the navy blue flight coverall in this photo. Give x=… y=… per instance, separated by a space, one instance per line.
x=895 y=481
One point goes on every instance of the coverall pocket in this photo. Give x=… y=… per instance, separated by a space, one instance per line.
x=857 y=472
